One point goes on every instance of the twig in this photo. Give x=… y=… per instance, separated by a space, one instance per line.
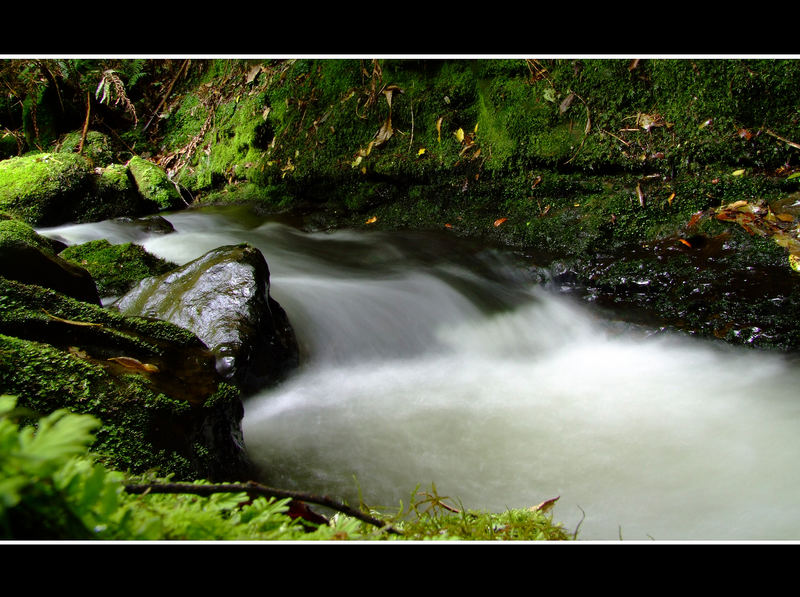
x=251 y=487
x=166 y=95
x=72 y=322
x=790 y=143
x=86 y=123
x=411 y=140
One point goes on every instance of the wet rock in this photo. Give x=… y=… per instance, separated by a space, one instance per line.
x=153 y=385
x=223 y=297
x=26 y=257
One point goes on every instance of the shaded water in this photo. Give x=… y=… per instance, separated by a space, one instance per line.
x=427 y=359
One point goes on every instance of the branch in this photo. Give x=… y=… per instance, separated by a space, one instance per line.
x=253 y=488
x=166 y=95
x=790 y=143
x=86 y=123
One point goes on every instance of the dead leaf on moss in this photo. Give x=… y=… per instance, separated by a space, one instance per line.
x=545 y=506
x=131 y=363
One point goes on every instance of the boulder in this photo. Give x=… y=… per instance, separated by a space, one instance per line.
x=154 y=185
x=223 y=297
x=154 y=385
x=26 y=257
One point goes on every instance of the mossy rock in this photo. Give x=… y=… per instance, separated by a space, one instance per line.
x=97 y=147
x=152 y=384
x=44 y=189
x=154 y=185
x=116 y=268
x=27 y=257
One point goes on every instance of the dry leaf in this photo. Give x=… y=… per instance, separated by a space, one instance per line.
x=459 y=135
x=545 y=506
x=372 y=220
x=670 y=198
x=499 y=221
x=439 y=128
x=132 y=363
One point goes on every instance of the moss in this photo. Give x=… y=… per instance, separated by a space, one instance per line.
x=43 y=189
x=154 y=185
x=51 y=359
x=13 y=230
x=115 y=268
x=97 y=147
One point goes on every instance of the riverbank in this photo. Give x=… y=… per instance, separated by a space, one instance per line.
x=663 y=191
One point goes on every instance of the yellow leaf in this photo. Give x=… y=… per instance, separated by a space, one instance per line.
x=421 y=151
x=460 y=135
x=132 y=363
x=372 y=220
x=439 y=128
x=784 y=217
x=475 y=130
x=738 y=172
x=794 y=262
x=670 y=198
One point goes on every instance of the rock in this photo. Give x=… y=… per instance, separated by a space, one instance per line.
x=116 y=269
x=26 y=257
x=154 y=185
x=49 y=189
x=223 y=298
x=174 y=413
x=43 y=189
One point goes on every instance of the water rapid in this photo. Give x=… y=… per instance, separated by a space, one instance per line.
x=429 y=360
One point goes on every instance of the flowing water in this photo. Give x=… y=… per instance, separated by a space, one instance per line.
x=430 y=360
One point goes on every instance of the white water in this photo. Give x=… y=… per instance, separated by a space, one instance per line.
x=410 y=379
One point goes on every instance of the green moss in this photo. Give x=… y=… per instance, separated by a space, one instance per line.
x=43 y=189
x=13 y=230
x=97 y=147
x=115 y=268
x=154 y=185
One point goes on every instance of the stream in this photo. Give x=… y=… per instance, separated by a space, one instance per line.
x=431 y=359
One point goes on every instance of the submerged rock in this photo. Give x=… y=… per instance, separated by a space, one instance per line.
x=223 y=298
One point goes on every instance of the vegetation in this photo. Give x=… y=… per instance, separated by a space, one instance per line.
x=52 y=488
x=661 y=185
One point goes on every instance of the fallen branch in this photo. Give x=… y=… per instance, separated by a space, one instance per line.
x=777 y=136
x=86 y=123
x=166 y=95
x=253 y=488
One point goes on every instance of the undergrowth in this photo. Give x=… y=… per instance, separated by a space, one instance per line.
x=51 y=488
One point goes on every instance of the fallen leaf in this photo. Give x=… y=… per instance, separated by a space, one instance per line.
x=685 y=242
x=439 y=128
x=670 y=198
x=499 y=221
x=132 y=363
x=738 y=172
x=372 y=220
x=421 y=151
x=566 y=103
x=784 y=217
x=460 y=135
x=545 y=506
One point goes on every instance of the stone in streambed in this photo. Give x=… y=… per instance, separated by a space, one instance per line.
x=223 y=298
